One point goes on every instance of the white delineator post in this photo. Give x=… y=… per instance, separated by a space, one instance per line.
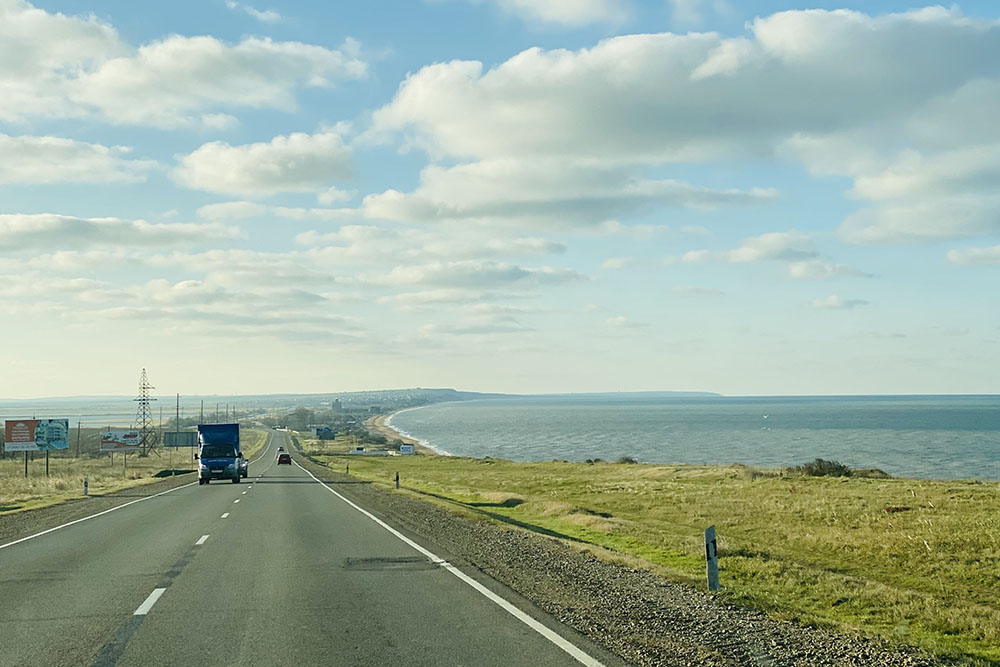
x=712 y=559
x=84 y=486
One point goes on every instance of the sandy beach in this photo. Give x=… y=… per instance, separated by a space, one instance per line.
x=377 y=425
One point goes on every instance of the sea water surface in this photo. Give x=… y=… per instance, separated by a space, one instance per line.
x=942 y=437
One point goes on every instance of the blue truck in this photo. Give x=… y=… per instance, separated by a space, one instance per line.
x=219 y=453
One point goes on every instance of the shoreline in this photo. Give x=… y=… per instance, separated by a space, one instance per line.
x=377 y=424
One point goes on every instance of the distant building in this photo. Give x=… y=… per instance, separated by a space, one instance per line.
x=337 y=406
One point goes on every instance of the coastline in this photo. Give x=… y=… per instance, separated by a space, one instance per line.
x=378 y=424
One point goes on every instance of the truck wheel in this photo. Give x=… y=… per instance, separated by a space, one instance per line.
x=236 y=480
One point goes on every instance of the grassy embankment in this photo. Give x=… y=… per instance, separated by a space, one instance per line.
x=66 y=473
x=913 y=561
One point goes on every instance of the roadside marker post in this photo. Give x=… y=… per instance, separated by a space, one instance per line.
x=348 y=469
x=712 y=558
x=84 y=486
x=397 y=480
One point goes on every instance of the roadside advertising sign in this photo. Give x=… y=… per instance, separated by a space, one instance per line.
x=34 y=435
x=121 y=441
x=181 y=439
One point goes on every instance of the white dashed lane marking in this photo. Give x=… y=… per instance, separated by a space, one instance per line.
x=201 y=540
x=150 y=601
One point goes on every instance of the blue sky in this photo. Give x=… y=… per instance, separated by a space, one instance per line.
x=499 y=195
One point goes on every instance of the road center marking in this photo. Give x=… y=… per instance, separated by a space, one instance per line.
x=567 y=646
x=150 y=601
x=201 y=540
x=236 y=501
x=225 y=515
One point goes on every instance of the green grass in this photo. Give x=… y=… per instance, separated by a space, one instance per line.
x=822 y=551
x=67 y=472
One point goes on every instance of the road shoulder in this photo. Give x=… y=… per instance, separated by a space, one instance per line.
x=644 y=618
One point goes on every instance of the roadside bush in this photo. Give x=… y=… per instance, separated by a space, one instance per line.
x=626 y=459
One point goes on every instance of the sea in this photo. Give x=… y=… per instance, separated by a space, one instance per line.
x=932 y=437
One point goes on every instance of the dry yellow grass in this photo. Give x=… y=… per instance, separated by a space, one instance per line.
x=66 y=472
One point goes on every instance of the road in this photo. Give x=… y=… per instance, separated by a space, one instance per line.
x=277 y=570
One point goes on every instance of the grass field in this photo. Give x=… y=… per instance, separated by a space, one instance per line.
x=913 y=561
x=66 y=472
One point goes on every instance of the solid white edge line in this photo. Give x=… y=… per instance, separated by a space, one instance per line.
x=224 y=515
x=553 y=637
x=201 y=540
x=150 y=601
x=92 y=516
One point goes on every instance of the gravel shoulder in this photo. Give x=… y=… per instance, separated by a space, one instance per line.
x=644 y=618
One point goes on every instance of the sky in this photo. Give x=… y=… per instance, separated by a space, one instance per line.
x=525 y=196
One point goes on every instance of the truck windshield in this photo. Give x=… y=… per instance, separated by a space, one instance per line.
x=218 y=452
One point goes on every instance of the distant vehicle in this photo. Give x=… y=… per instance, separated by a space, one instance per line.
x=284 y=457
x=219 y=453
x=281 y=449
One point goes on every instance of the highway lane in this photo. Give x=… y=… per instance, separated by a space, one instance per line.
x=292 y=575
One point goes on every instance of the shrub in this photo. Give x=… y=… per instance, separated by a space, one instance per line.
x=823 y=468
x=626 y=459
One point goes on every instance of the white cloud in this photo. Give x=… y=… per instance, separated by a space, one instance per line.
x=834 y=302
x=804 y=261
x=475 y=274
x=838 y=90
x=49 y=230
x=668 y=98
x=295 y=163
x=622 y=322
x=232 y=210
x=542 y=192
x=373 y=245
x=817 y=269
x=617 y=263
x=686 y=12
x=36 y=160
x=240 y=210
x=415 y=301
x=921 y=218
x=972 y=256
x=53 y=65
x=264 y=16
x=567 y=13
x=334 y=195
x=773 y=246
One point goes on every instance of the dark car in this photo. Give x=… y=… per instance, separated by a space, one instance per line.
x=284 y=457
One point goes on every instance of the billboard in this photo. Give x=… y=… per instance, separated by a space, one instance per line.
x=34 y=435
x=121 y=441
x=181 y=439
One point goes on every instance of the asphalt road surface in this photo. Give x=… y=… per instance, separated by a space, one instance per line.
x=277 y=570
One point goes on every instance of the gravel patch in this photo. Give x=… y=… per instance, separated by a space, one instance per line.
x=644 y=618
